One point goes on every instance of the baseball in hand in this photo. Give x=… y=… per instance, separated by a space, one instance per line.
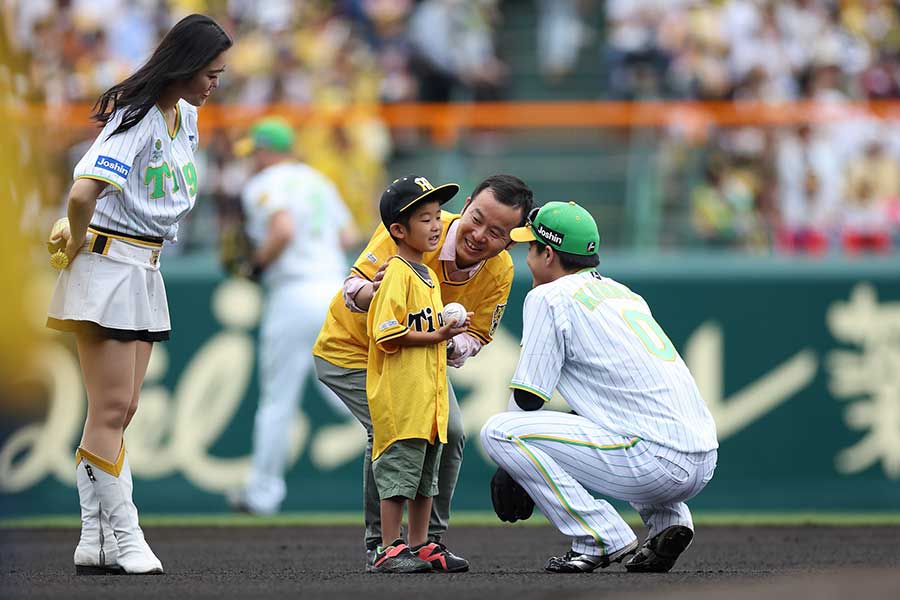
x=454 y=312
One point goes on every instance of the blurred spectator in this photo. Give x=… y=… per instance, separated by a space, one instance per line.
x=805 y=218
x=724 y=210
x=808 y=191
x=454 y=50
x=870 y=198
x=561 y=33
x=635 y=62
x=863 y=221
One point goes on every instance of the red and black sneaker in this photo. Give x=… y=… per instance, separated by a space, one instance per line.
x=397 y=558
x=440 y=558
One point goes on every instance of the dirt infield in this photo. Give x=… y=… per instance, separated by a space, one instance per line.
x=242 y=562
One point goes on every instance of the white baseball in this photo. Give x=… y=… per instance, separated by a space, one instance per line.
x=454 y=312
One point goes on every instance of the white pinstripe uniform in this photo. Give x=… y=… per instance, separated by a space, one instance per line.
x=642 y=433
x=115 y=284
x=299 y=286
x=153 y=181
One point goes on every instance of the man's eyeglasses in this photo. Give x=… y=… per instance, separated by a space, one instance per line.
x=529 y=220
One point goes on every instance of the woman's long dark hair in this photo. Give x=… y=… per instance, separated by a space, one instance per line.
x=188 y=47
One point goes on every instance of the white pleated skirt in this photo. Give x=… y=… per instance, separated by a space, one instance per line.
x=113 y=289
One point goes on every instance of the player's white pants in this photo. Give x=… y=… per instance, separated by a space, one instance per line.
x=292 y=316
x=558 y=456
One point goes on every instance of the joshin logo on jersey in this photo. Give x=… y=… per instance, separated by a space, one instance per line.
x=554 y=237
x=112 y=165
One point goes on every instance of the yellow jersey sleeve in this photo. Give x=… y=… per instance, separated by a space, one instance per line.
x=380 y=248
x=389 y=308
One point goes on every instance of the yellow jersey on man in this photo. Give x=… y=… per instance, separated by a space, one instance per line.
x=406 y=385
x=343 y=340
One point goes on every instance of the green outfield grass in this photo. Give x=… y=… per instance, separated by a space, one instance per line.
x=481 y=519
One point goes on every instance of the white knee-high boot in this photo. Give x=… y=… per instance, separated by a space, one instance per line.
x=97 y=551
x=113 y=490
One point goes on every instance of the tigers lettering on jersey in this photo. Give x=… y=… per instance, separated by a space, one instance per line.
x=419 y=320
x=155 y=178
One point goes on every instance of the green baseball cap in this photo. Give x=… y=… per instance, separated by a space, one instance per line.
x=563 y=226
x=271 y=133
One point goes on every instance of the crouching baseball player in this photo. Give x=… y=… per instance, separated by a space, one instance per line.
x=640 y=431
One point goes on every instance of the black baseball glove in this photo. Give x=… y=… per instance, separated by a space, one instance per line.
x=236 y=252
x=511 y=502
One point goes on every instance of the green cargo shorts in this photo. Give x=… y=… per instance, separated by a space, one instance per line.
x=408 y=468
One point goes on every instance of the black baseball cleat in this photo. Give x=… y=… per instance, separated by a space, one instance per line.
x=573 y=562
x=440 y=558
x=659 y=553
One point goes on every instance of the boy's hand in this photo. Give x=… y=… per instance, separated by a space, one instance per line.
x=453 y=328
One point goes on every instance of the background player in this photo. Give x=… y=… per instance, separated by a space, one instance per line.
x=473 y=269
x=642 y=433
x=406 y=384
x=299 y=228
x=132 y=187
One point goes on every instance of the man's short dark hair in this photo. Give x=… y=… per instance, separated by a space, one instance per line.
x=508 y=190
x=572 y=262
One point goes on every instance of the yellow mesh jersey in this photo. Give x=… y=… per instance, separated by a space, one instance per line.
x=406 y=386
x=343 y=340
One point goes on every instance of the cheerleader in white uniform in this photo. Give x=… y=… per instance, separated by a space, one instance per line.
x=131 y=188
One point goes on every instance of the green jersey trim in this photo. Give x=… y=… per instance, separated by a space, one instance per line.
x=536 y=392
x=537 y=463
x=103 y=179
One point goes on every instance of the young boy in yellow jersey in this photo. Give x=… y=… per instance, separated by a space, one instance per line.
x=406 y=384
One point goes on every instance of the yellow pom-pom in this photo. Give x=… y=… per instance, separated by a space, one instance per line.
x=59 y=260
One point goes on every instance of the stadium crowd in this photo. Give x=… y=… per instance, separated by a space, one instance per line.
x=809 y=188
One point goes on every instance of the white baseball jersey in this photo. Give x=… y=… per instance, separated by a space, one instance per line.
x=595 y=341
x=151 y=174
x=318 y=213
x=300 y=284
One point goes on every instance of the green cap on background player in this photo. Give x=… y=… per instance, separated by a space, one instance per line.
x=563 y=226
x=271 y=133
